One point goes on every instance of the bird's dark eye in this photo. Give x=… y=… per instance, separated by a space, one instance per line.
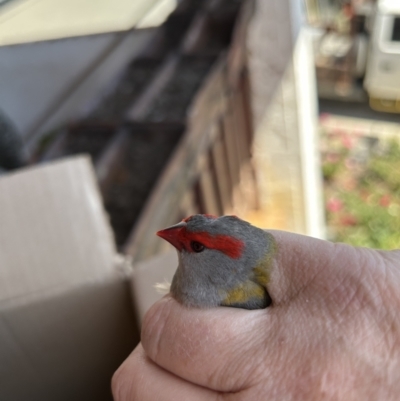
x=197 y=247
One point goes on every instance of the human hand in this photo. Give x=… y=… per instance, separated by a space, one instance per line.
x=332 y=333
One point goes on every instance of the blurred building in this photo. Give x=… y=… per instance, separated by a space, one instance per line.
x=325 y=12
x=357 y=51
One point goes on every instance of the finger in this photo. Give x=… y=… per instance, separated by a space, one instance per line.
x=301 y=260
x=219 y=348
x=139 y=378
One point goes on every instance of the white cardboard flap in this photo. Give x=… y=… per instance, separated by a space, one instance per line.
x=53 y=230
x=66 y=318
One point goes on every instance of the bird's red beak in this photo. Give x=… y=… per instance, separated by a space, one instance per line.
x=173 y=234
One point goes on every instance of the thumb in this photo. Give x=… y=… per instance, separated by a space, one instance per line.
x=303 y=263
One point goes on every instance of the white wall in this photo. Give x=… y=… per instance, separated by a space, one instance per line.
x=45 y=84
x=35 y=76
x=285 y=113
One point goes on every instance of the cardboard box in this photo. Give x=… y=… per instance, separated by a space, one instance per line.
x=66 y=315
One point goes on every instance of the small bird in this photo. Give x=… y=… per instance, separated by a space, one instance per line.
x=223 y=261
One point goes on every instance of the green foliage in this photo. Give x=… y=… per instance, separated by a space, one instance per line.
x=362 y=191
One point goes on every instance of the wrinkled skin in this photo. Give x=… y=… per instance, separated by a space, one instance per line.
x=333 y=333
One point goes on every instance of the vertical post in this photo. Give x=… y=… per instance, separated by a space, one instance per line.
x=285 y=116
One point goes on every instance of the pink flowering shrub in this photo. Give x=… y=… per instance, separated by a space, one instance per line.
x=362 y=189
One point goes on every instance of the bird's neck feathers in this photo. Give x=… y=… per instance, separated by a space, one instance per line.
x=262 y=269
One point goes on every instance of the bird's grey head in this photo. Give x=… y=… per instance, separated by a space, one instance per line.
x=214 y=252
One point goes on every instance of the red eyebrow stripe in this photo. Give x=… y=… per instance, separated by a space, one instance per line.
x=230 y=246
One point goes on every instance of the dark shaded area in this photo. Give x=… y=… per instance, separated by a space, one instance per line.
x=357 y=110
x=3 y=2
x=396 y=30
x=12 y=154
x=178 y=23
x=174 y=99
x=131 y=84
x=88 y=138
x=133 y=172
